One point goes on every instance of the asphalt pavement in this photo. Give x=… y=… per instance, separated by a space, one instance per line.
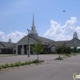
x=50 y=70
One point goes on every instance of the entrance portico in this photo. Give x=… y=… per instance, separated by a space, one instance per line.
x=21 y=49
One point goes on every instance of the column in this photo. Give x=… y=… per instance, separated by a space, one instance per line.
x=22 y=50
x=16 y=49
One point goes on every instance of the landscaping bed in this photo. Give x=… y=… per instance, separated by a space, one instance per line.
x=18 y=64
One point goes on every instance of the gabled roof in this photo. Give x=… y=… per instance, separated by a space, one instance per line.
x=45 y=41
x=8 y=45
x=42 y=39
x=72 y=41
x=2 y=44
x=35 y=38
x=57 y=43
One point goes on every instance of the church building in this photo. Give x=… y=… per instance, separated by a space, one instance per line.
x=23 y=46
x=50 y=45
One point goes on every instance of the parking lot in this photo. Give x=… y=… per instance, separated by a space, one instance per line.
x=50 y=70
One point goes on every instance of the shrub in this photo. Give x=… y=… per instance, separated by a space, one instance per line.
x=17 y=64
x=12 y=65
x=4 y=66
x=0 y=66
x=23 y=63
x=36 y=61
x=26 y=62
x=7 y=65
x=29 y=63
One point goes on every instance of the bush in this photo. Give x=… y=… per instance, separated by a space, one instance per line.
x=7 y=65
x=0 y=66
x=29 y=62
x=36 y=61
x=12 y=65
x=17 y=63
x=26 y=62
x=23 y=63
x=4 y=66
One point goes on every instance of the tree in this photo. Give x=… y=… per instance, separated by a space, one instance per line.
x=67 y=50
x=59 y=50
x=75 y=49
x=37 y=48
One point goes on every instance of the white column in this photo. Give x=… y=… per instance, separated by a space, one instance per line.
x=16 y=49
x=22 y=50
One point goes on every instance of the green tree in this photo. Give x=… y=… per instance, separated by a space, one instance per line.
x=37 y=48
x=67 y=50
x=75 y=49
x=59 y=50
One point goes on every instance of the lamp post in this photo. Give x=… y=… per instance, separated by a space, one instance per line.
x=28 y=44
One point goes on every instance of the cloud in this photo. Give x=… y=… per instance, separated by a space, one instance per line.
x=14 y=36
x=65 y=32
x=2 y=35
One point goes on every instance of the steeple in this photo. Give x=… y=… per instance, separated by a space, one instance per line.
x=33 y=20
x=9 y=40
x=33 y=28
x=33 y=25
x=75 y=35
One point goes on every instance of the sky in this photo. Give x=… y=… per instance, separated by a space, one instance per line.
x=50 y=20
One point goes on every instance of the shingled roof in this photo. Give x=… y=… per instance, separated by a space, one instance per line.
x=45 y=41
x=8 y=45
x=41 y=39
x=57 y=43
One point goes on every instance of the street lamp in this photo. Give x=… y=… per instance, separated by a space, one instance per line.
x=28 y=44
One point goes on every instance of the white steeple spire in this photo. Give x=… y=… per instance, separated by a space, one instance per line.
x=33 y=25
x=33 y=20
x=33 y=28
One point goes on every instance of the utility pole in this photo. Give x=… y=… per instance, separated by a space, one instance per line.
x=28 y=44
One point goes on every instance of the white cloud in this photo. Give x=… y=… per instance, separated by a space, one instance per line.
x=2 y=35
x=14 y=36
x=65 y=32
